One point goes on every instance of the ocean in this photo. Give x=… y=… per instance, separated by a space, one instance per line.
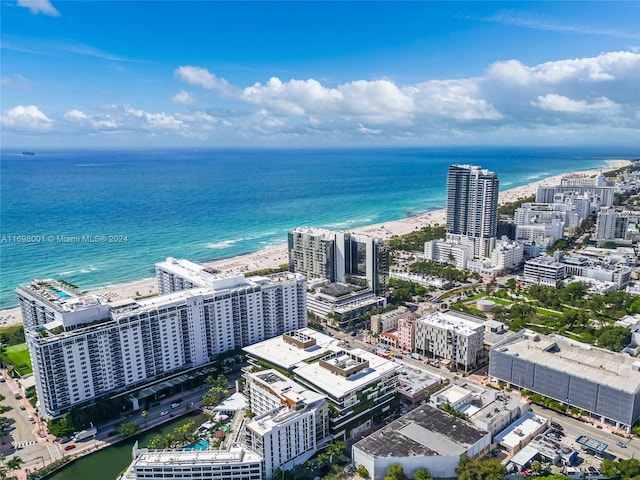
x=97 y=217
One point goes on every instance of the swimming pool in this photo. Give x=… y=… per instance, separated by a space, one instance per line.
x=200 y=445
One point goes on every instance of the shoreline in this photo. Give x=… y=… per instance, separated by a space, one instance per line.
x=274 y=256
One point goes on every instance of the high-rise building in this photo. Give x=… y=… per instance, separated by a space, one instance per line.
x=85 y=348
x=339 y=257
x=472 y=208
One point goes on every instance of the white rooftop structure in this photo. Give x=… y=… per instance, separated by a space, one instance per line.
x=294 y=348
x=524 y=428
x=345 y=372
x=450 y=320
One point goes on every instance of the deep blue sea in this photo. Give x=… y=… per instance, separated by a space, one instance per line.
x=211 y=204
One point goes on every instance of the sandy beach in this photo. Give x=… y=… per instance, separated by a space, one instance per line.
x=273 y=257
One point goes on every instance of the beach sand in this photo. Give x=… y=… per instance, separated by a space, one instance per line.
x=273 y=257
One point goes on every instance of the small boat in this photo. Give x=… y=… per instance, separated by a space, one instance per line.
x=28 y=153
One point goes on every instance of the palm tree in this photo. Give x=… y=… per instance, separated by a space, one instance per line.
x=14 y=463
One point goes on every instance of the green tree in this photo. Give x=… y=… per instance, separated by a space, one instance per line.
x=473 y=469
x=422 y=474
x=396 y=472
x=613 y=338
x=61 y=427
x=362 y=472
x=629 y=469
x=14 y=463
x=128 y=429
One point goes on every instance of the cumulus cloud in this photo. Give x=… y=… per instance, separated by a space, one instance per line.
x=183 y=97
x=509 y=101
x=28 y=119
x=603 y=68
x=95 y=121
x=560 y=103
x=205 y=79
x=39 y=6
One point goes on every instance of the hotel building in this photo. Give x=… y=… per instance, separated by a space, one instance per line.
x=85 y=348
x=339 y=257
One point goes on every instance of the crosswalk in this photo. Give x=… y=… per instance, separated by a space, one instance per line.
x=54 y=452
x=19 y=445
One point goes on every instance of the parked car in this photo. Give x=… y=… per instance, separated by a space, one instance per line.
x=70 y=447
x=557 y=426
x=22 y=407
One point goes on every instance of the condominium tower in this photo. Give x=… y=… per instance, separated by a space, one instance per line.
x=472 y=208
x=87 y=347
x=339 y=257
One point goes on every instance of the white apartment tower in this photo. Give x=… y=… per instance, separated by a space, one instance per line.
x=79 y=357
x=472 y=208
x=291 y=422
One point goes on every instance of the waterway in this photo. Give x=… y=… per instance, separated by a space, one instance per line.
x=108 y=463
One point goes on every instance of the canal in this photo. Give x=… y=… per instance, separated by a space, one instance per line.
x=108 y=463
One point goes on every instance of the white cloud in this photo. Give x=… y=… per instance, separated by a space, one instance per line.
x=39 y=6
x=183 y=97
x=17 y=81
x=592 y=97
x=560 y=103
x=203 y=78
x=27 y=118
x=605 y=67
x=99 y=122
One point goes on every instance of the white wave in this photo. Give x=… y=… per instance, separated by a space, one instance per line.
x=89 y=269
x=89 y=164
x=221 y=245
x=349 y=223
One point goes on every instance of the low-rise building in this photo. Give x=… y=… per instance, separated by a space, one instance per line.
x=544 y=270
x=238 y=463
x=423 y=438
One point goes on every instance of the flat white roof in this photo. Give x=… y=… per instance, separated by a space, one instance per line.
x=524 y=427
x=278 y=352
x=156 y=458
x=453 y=394
x=337 y=385
x=451 y=321
x=235 y=402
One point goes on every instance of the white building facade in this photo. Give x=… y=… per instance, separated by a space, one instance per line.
x=76 y=362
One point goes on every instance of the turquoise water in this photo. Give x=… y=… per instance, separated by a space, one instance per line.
x=199 y=445
x=96 y=218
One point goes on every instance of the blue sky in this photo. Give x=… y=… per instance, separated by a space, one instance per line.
x=207 y=74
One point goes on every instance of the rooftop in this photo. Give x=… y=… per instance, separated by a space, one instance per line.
x=425 y=431
x=579 y=359
x=285 y=352
x=524 y=427
x=450 y=320
x=337 y=385
x=155 y=458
